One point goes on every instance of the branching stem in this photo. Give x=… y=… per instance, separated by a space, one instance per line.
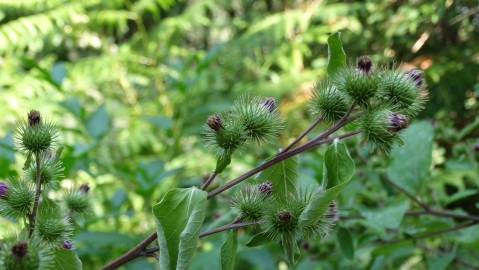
x=322 y=138
x=38 y=190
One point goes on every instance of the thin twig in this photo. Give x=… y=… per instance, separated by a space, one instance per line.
x=433 y=233
x=209 y=181
x=305 y=147
x=443 y=253
x=428 y=209
x=38 y=190
x=302 y=135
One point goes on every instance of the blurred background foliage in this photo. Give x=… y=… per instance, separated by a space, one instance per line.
x=131 y=82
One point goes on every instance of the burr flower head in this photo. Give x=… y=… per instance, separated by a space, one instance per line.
x=397 y=122
x=215 y=122
x=67 y=244
x=20 y=249
x=416 y=75
x=284 y=216
x=84 y=188
x=269 y=103
x=364 y=64
x=34 y=118
x=266 y=188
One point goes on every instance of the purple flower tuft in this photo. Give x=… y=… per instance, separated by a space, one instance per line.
x=67 y=244
x=84 y=188
x=3 y=190
x=269 y=103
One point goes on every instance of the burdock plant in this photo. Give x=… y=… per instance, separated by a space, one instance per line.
x=45 y=225
x=360 y=99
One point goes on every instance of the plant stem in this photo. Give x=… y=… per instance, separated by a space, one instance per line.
x=302 y=135
x=433 y=233
x=305 y=147
x=210 y=180
x=428 y=209
x=139 y=250
x=38 y=190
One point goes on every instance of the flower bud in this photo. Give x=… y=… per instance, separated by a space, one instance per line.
x=332 y=214
x=34 y=118
x=20 y=249
x=84 y=188
x=3 y=190
x=364 y=64
x=215 y=122
x=67 y=244
x=266 y=188
x=397 y=121
x=416 y=75
x=269 y=103
x=284 y=216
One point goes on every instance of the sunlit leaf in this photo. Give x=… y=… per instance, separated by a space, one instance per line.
x=336 y=54
x=179 y=217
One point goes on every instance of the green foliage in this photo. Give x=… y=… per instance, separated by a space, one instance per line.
x=228 y=251
x=346 y=242
x=67 y=259
x=283 y=175
x=338 y=165
x=130 y=84
x=336 y=54
x=411 y=163
x=177 y=237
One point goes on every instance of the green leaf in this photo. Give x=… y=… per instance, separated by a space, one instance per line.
x=98 y=122
x=339 y=159
x=318 y=205
x=389 y=216
x=338 y=165
x=283 y=175
x=66 y=260
x=346 y=242
x=336 y=54
x=228 y=251
x=441 y=262
x=179 y=217
x=411 y=162
x=224 y=159
x=258 y=240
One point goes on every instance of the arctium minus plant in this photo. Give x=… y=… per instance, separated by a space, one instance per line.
x=46 y=216
x=361 y=99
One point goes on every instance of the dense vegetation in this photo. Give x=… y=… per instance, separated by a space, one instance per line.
x=130 y=86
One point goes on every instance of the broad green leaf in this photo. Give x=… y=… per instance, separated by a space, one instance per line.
x=336 y=54
x=338 y=165
x=67 y=260
x=98 y=122
x=179 y=217
x=228 y=251
x=258 y=240
x=440 y=262
x=346 y=242
x=411 y=162
x=389 y=216
x=283 y=175
x=318 y=205
x=341 y=168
